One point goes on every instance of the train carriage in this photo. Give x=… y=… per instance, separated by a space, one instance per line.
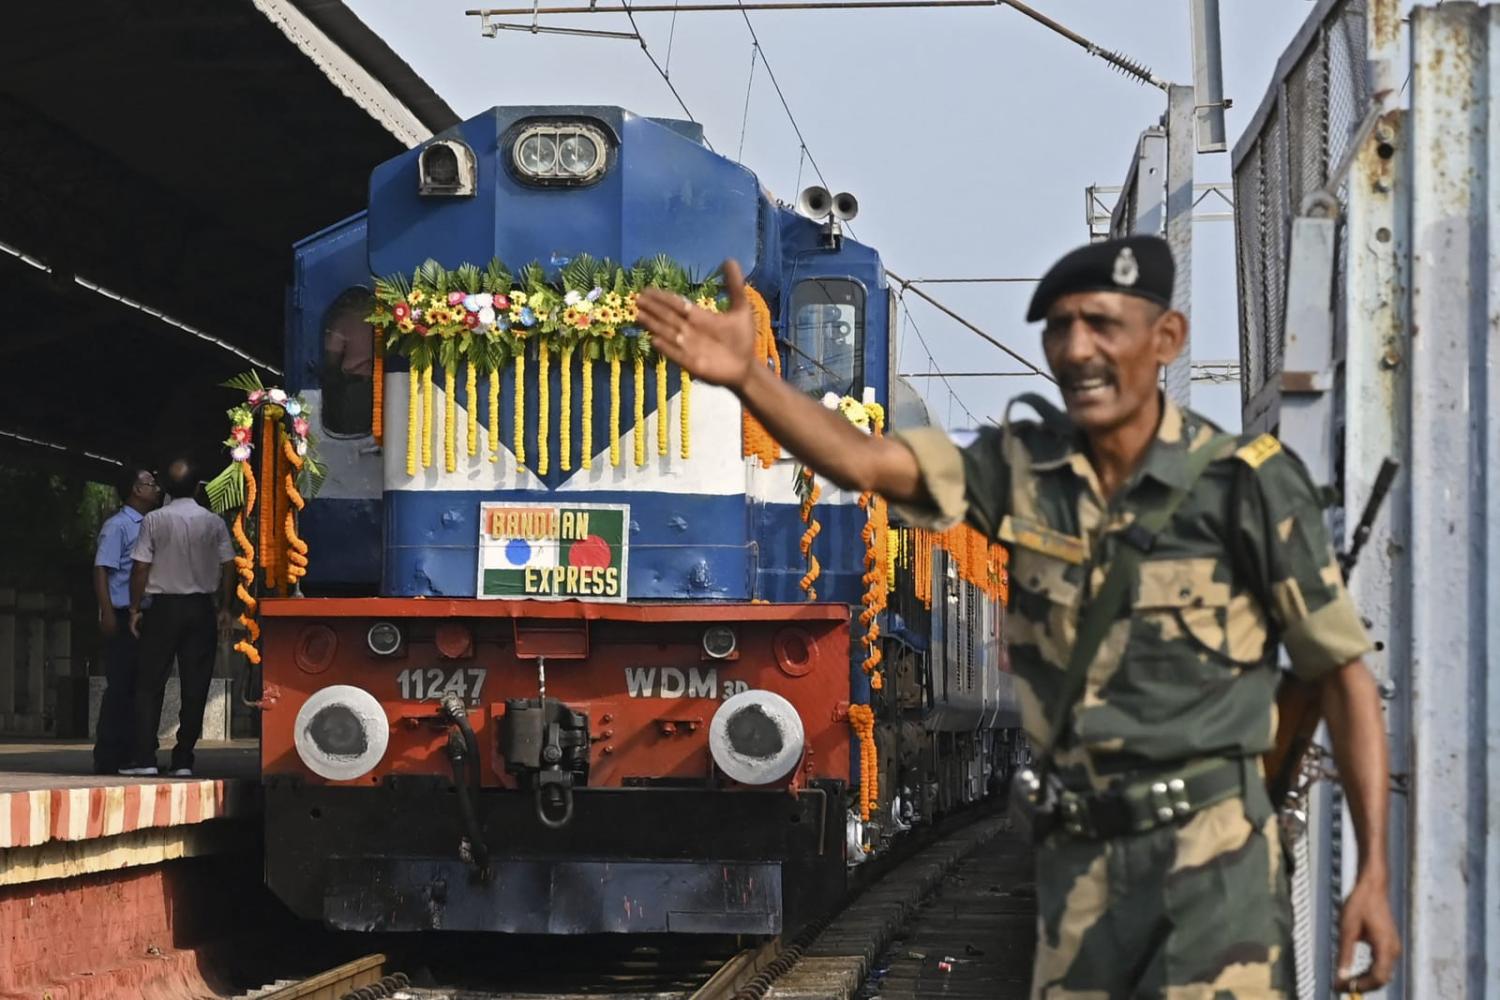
x=560 y=660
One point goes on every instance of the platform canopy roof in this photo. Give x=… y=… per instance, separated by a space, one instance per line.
x=158 y=159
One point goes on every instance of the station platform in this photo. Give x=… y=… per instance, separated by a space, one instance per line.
x=58 y=819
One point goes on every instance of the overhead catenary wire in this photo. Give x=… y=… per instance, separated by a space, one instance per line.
x=749 y=87
x=771 y=73
x=971 y=327
x=933 y=369
x=1125 y=64
x=666 y=78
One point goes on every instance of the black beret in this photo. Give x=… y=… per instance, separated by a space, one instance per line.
x=1134 y=265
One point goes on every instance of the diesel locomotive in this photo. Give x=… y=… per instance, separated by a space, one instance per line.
x=570 y=652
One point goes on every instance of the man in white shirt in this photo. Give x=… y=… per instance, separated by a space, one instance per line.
x=183 y=557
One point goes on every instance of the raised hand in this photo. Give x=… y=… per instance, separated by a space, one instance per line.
x=715 y=347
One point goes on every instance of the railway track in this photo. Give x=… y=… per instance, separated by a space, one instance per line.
x=893 y=938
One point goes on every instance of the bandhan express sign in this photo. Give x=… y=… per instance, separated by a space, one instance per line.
x=553 y=551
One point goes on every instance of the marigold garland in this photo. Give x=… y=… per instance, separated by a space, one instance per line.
x=518 y=433
x=286 y=461
x=485 y=317
x=687 y=414
x=471 y=398
x=586 y=432
x=809 y=490
x=663 y=427
x=244 y=565
x=377 y=399
x=413 y=390
x=450 y=414
x=874 y=535
x=614 y=412
x=565 y=411
x=494 y=428
x=639 y=372
x=427 y=418
x=757 y=442
x=862 y=721
x=543 y=407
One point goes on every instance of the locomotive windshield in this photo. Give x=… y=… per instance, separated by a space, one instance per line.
x=348 y=362
x=825 y=352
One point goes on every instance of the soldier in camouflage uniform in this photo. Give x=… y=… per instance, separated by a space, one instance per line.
x=1161 y=874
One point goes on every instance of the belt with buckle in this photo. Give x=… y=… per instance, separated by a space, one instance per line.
x=1146 y=804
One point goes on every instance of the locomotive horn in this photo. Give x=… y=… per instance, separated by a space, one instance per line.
x=815 y=202
x=845 y=206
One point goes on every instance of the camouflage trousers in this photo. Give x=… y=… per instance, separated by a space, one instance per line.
x=1196 y=910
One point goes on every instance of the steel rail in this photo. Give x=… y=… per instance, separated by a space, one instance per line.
x=335 y=983
x=737 y=973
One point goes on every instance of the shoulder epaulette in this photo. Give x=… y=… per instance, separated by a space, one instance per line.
x=1258 y=451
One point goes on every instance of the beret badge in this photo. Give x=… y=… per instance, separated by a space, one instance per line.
x=1127 y=272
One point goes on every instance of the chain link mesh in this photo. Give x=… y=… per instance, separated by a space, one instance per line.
x=1319 y=106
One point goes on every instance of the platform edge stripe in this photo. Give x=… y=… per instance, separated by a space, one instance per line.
x=132 y=819
x=5 y=824
x=177 y=796
x=192 y=796
x=39 y=816
x=94 y=825
x=77 y=807
x=113 y=805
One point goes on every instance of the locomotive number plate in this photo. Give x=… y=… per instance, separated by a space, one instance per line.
x=430 y=684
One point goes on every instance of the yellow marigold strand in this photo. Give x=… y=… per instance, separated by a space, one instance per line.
x=565 y=411
x=586 y=432
x=245 y=565
x=663 y=440
x=687 y=413
x=543 y=406
x=518 y=434
x=471 y=398
x=427 y=417
x=614 y=412
x=413 y=421
x=494 y=414
x=639 y=371
x=450 y=415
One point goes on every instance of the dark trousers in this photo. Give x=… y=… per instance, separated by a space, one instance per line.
x=181 y=627
x=114 y=738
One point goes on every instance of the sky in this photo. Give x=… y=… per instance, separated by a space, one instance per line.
x=969 y=137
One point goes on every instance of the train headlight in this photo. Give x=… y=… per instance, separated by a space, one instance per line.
x=384 y=639
x=756 y=737
x=446 y=168
x=341 y=732
x=719 y=642
x=560 y=153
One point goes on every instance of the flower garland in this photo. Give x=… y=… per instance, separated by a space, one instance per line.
x=862 y=721
x=413 y=388
x=975 y=560
x=450 y=414
x=687 y=413
x=808 y=491
x=757 y=442
x=565 y=410
x=663 y=427
x=471 y=393
x=639 y=386
x=874 y=535
x=543 y=406
x=489 y=317
x=494 y=428
x=284 y=422
x=377 y=399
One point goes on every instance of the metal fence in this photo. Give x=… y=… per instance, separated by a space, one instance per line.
x=1302 y=130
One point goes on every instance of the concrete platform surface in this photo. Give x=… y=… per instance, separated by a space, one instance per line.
x=49 y=793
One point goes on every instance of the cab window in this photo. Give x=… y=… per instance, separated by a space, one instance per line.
x=824 y=350
x=348 y=364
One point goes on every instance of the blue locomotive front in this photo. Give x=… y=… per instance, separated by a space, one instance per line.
x=535 y=532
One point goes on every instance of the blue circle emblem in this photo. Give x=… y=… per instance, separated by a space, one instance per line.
x=518 y=551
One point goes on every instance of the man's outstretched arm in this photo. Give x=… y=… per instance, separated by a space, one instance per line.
x=720 y=348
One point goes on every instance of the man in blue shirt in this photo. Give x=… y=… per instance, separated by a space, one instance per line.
x=112 y=564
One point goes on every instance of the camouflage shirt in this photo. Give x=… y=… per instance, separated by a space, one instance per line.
x=1188 y=671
